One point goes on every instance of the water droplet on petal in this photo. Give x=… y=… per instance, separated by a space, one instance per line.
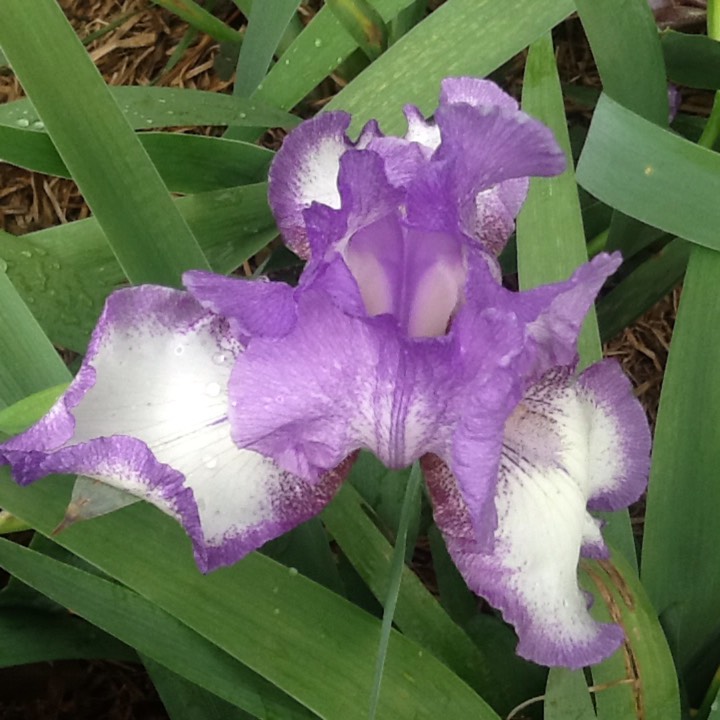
x=220 y=358
x=210 y=462
x=23 y=122
x=318 y=43
x=212 y=389
x=293 y=571
x=38 y=125
x=242 y=115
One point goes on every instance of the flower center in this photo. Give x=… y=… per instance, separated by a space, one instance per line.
x=415 y=275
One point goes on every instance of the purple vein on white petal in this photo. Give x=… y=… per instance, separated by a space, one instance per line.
x=147 y=414
x=562 y=447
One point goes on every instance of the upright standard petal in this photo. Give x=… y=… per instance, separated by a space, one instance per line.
x=305 y=171
x=148 y=414
x=564 y=448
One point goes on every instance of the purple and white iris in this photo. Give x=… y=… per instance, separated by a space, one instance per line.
x=235 y=406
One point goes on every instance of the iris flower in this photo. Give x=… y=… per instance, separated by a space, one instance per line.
x=236 y=405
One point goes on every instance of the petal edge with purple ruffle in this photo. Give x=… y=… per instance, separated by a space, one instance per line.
x=148 y=414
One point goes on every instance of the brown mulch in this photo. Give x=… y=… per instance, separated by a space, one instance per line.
x=135 y=52
x=78 y=690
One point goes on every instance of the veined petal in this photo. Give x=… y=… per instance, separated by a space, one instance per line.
x=493 y=219
x=251 y=307
x=553 y=314
x=553 y=461
x=304 y=171
x=513 y=145
x=148 y=414
x=338 y=383
x=476 y=92
x=619 y=437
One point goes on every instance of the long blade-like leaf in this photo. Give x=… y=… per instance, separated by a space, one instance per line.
x=149 y=237
x=635 y=166
x=462 y=37
x=285 y=627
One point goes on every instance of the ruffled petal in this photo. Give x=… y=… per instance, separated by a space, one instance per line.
x=491 y=151
x=513 y=145
x=305 y=170
x=148 y=414
x=620 y=438
x=338 y=383
x=421 y=131
x=476 y=92
x=365 y=196
x=251 y=307
x=553 y=461
x=496 y=208
x=552 y=313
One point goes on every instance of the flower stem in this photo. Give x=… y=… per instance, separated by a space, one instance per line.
x=393 y=590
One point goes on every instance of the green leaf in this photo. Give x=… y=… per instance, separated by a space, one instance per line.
x=22 y=414
x=28 y=362
x=363 y=23
x=462 y=37
x=418 y=613
x=306 y=548
x=616 y=47
x=692 y=60
x=184 y=700
x=31 y=635
x=147 y=234
x=311 y=57
x=636 y=166
x=640 y=290
x=550 y=235
x=638 y=681
x=145 y=108
x=394 y=580
x=259 y=612
x=567 y=696
x=201 y=19
x=148 y=629
x=679 y=567
x=384 y=491
x=266 y=25
x=631 y=43
x=186 y=163
x=65 y=273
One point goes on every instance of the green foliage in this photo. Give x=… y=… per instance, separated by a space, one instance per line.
x=260 y=639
